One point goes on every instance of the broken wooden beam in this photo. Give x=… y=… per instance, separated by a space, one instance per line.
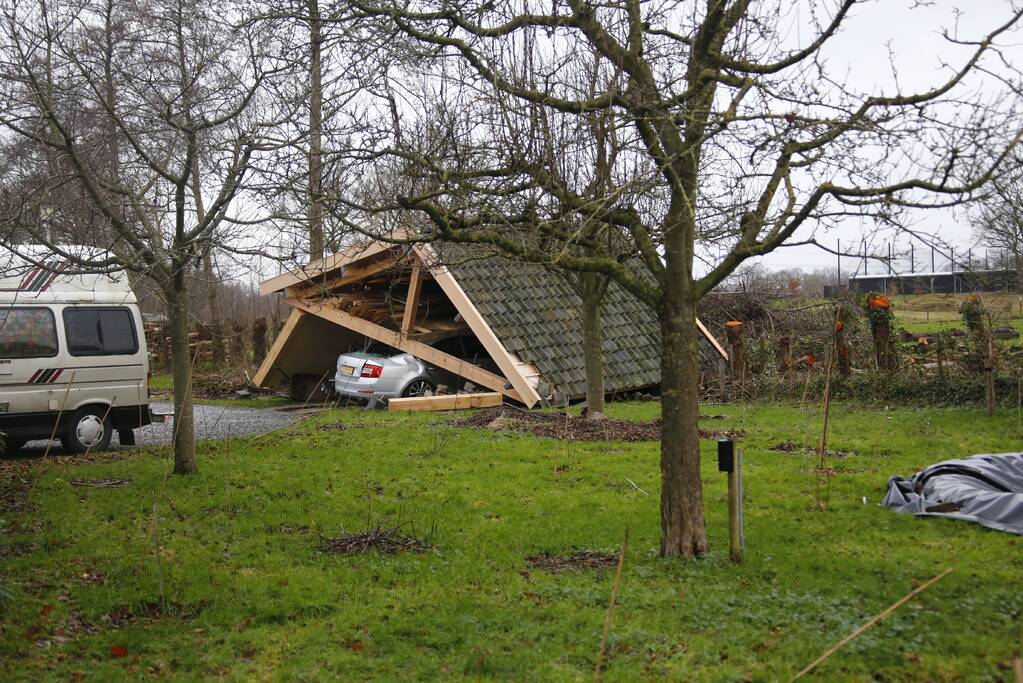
x=447 y=402
x=415 y=286
x=424 y=352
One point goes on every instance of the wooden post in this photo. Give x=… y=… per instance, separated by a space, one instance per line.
x=723 y=379
x=730 y=462
x=974 y=313
x=941 y=355
x=412 y=299
x=735 y=539
x=879 y=313
x=737 y=354
x=842 y=342
x=989 y=375
x=784 y=354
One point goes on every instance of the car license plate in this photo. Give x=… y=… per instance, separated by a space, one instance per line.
x=347 y=370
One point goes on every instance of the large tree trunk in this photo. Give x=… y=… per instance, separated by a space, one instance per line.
x=591 y=291
x=184 y=426
x=315 y=133
x=682 y=527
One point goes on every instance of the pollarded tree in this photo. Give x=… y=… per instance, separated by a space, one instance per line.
x=188 y=81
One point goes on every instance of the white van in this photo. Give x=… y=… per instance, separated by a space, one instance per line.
x=73 y=359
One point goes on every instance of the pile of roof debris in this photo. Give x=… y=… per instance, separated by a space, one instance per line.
x=572 y=427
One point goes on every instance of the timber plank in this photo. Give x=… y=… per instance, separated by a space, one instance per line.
x=446 y=402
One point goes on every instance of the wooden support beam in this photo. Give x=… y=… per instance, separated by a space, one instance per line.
x=304 y=274
x=356 y=272
x=415 y=285
x=447 y=402
x=278 y=346
x=478 y=325
x=462 y=368
x=711 y=339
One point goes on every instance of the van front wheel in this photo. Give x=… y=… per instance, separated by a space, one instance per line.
x=88 y=430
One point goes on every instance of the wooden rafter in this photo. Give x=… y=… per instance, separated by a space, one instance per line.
x=415 y=286
x=711 y=339
x=478 y=325
x=462 y=368
x=307 y=274
x=279 y=342
x=350 y=275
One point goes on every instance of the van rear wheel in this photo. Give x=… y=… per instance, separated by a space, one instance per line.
x=89 y=430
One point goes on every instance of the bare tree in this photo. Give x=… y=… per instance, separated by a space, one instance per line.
x=998 y=221
x=189 y=84
x=738 y=140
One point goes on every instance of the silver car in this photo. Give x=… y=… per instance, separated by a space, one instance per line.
x=381 y=372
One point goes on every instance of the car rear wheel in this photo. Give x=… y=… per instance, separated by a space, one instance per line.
x=88 y=430
x=418 y=387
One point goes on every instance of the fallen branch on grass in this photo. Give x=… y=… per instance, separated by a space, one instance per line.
x=101 y=483
x=388 y=540
x=878 y=617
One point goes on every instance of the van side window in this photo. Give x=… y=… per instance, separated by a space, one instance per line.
x=27 y=333
x=100 y=331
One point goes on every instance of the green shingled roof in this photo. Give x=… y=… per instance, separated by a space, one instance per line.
x=536 y=314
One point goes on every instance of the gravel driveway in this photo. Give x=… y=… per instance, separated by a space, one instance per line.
x=218 y=422
x=211 y=422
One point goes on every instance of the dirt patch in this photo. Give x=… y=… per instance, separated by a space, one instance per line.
x=14 y=492
x=12 y=550
x=572 y=427
x=385 y=540
x=584 y=559
x=794 y=449
x=332 y=427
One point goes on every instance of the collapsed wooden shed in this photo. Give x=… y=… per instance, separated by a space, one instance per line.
x=525 y=316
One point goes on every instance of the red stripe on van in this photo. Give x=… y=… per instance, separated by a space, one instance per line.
x=58 y=267
x=55 y=375
x=28 y=278
x=34 y=375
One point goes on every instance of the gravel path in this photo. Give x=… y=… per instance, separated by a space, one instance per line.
x=211 y=422
x=218 y=422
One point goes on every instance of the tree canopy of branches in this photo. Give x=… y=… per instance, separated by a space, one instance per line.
x=998 y=221
x=729 y=135
x=106 y=108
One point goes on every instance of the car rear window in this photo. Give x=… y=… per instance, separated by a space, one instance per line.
x=380 y=349
x=27 y=333
x=100 y=331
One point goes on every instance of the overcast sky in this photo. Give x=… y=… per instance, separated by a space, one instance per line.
x=913 y=34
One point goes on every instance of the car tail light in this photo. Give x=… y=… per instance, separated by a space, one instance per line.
x=149 y=380
x=371 y=370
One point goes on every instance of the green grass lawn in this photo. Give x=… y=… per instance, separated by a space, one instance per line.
x=219 y=574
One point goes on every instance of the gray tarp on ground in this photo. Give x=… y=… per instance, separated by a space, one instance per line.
x=987 y=489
